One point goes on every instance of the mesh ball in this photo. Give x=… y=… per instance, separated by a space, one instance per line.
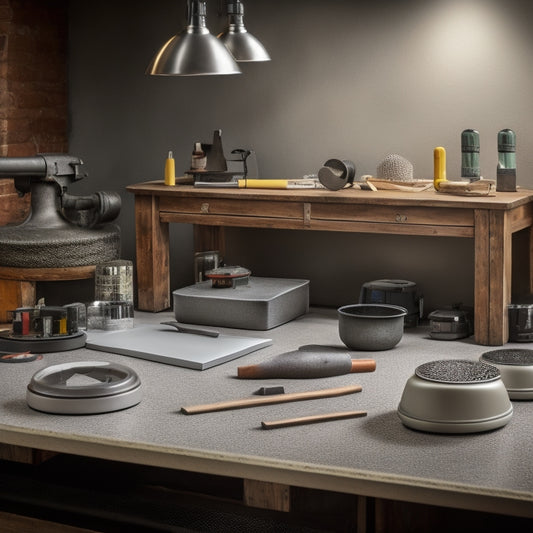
x=395 y=168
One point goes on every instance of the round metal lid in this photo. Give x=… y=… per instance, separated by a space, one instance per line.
x=457 y=371
x=515 y=357
x=87 y=379
x=89 y=387
x=396 y=285
x=228 y=272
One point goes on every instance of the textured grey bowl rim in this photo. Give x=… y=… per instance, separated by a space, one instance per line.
x=399 y=310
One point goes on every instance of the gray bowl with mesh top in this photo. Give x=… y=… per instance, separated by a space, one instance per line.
x=516 y=369
x=455 y=396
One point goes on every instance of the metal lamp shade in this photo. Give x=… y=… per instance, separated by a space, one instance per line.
x=243 y=45
x=193 y=52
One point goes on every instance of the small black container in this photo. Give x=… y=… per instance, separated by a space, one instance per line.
x=451 y=324
x=337 y=173
x=521 y=322
x=394 y=292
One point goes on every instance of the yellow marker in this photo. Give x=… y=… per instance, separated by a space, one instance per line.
x=439 y=166
x=170 y=170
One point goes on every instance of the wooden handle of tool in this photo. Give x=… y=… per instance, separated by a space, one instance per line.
x=247 y=372
x=314 y=419
x=363 y=365
x=269 y=400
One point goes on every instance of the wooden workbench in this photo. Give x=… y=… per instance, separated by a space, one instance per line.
x=489 y=220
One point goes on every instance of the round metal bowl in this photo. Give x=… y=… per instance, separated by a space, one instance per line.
x=455 y=396
x=516 y=369
x=371 y=326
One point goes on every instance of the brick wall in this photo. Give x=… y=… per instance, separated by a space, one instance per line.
x=33 y=87
x=33 y=105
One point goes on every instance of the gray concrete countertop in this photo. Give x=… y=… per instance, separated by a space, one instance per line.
x=373 y=456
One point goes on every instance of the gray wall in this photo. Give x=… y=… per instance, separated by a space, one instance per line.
x=348 y=79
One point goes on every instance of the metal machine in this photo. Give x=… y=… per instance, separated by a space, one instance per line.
x=62 y=230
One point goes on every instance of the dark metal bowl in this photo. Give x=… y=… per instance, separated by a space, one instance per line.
x=371 y=327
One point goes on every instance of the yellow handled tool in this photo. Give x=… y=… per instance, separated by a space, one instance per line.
x=277 y=184
x=439 y=166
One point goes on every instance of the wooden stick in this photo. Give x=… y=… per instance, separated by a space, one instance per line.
x=314 y=419
x=269 y=400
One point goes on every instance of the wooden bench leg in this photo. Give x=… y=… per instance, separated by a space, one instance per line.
x=22 y=454
x=530 y=259
x=209 y=238
x=15 y=294
x=152 y=243
x=265 y=495
x=492 y=284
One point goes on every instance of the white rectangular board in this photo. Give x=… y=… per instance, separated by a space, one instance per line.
x=164 y=345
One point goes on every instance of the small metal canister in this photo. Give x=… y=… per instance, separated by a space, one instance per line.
x=337 y=173
x=114 y=281
x=203 y=262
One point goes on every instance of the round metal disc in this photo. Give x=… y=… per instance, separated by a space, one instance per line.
x=84 y=379
x=457 y=371
x=62 y=343
x=519 y=357
x=86 y=387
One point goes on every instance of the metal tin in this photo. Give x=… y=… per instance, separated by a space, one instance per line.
x=114 y=281
x=110 y=315
x=87 y=387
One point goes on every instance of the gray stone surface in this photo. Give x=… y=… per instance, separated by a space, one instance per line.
x=375 y=455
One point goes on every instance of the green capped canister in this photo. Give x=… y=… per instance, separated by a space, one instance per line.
x=470 y=155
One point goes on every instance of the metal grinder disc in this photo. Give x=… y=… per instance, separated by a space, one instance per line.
x=457 y=371
x=521 y=357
